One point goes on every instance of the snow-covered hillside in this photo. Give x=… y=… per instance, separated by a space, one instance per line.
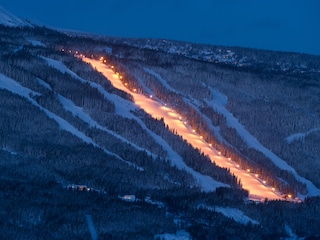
x=199 y=141
x=9 y=19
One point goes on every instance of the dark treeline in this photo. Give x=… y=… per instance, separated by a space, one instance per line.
x=39 y=156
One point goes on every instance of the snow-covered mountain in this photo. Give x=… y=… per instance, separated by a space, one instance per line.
x=150 y=139
x=9 y=19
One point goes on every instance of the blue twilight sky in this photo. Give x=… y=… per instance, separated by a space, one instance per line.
x=286 y=25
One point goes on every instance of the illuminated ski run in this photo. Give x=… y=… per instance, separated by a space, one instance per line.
x=258 y=188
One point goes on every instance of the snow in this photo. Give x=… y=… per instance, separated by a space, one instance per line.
x=43 y=83
x=235 y=214
x=10 y=20
x=93 y=232
x=14 y=87
x=255 y=185
x=218 y=104
x=61 y=67
x=123 y=107
x=36 y=43
x=9 y=151
x=78 y=111
x=64 y=125
x=180 y=235
x=128 y=198
x=160 y=79
x=218 y=98
x=157 y=110
x=291 y=234
x=300 y=136
x=159 y=204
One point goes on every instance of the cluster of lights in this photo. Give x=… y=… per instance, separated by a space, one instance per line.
x=238 y=166
x=263 y=181
x=120 y=76
x=103 y=60
x=180 y=118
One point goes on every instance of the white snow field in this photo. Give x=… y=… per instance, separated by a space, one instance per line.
x=10 y=20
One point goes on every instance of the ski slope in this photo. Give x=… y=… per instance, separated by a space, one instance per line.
x=257 y=188
x=124 y=108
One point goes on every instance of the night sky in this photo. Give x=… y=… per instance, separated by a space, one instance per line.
x=286 y=25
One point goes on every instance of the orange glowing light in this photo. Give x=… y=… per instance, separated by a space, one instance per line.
x=264 y=182
x=210 y=144
x=254 y=185
x=273 y=189
x=257 y=175
x=289 y=196
x=150 y=96
x=248 y=170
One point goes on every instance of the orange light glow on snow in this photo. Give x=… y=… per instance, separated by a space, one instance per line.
x=257 y=189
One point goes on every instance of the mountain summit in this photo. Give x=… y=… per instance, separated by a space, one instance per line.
x=8 y=19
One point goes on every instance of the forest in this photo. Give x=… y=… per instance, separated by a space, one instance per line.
x=61 y=126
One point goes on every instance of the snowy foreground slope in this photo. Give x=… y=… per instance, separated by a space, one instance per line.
x=110 y=139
